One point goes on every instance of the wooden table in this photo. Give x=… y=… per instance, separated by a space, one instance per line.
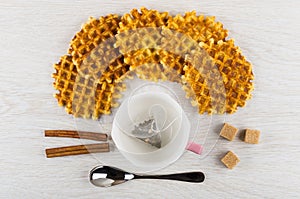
x=34 y=34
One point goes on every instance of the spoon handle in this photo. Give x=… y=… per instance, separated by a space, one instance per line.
x=195 y=177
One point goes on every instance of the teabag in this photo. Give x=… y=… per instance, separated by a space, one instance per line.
x=150 y=130
x=144 y=132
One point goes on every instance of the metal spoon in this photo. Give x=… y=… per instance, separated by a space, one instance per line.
x=105 y=176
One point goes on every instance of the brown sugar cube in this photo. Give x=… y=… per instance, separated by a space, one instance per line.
x=230 y=160
x=252 y=136
x=228 y=132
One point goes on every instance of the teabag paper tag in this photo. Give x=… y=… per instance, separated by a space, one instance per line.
x=150 y=130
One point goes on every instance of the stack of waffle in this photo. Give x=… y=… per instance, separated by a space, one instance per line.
x=190 y=49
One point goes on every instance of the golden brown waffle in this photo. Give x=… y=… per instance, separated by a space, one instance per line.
x=181 y=37
x=203 y=83
x=236 y=72
x=84 y=97
x=199 y=28
x=154 y=65
x=175 y=47
x=231 y=81
x=207 y=90
x=141 y=57
x=139 y=39
x=173 y=65
x=155 y=46
x=92 y=97
x=145 y=18
x=140 y=30
x=95 y=65
x=134 y=36
x=65 y=75
x=113 y=75
x=91 y=35
x=178 y=43
x=150 y=71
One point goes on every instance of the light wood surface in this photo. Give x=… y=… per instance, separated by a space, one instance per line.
x=34 y=34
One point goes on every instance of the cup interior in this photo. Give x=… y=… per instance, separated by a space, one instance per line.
x=174 y=136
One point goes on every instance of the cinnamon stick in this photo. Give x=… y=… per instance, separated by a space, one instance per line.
x=77 y=150
x=76 y=134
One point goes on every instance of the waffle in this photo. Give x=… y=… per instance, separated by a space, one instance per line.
x=94 y=97
x=196 y=87
x=140 y=30
x=236 y=72
x=175 y=47
x=155 y=65
x=206 y=87
x=199 y=28
x=234 y=79
x=188 y=49
x=181 y=37
x=83 y=96
x=139 y=39
x=173 y=65
x=178 y=43
x=116 y=71
x=86 y=78
x=91 y=35
x=64 y=79
x=145 y=18
x=151 y=72
x=91 y=99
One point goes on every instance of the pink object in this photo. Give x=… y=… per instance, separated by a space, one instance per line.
x=194 y=147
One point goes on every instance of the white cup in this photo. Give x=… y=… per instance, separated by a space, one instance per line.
x=174 y=137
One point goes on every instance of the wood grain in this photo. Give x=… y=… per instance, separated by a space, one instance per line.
x=34 y=34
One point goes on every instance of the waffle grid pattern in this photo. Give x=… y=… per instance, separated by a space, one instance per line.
x=157 y=47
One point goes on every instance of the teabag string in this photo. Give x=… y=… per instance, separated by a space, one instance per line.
x=150 y=130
